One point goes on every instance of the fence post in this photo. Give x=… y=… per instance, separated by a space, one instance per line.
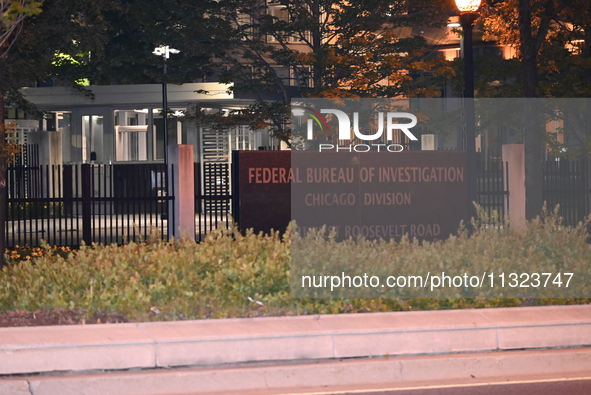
x=514 y=156
x=86 y=203
x=586 y=165
x=181 y=169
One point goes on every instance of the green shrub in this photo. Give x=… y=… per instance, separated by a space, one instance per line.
x=235 y=275
x=535 y=263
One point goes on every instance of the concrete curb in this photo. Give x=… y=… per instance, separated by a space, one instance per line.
x=321 y=337
x=324 y=376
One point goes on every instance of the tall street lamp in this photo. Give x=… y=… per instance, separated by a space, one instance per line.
x=468 y=15
x=165 y=51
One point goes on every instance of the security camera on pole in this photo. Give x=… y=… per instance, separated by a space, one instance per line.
x=165 y=51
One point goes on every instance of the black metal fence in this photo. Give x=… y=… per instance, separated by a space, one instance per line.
x=91 y=203
x=25 y=173
x=66 y=205
x=213 y=201
x=492 y=190
x=567 y=184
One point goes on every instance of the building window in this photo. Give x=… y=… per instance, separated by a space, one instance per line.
x=174 y=130
x=279 y=13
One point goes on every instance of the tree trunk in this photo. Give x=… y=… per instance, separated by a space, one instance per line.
x=3 y=174
x=317 y=70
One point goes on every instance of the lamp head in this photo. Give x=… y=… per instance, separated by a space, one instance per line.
x=160 y=51
x=165 y=51
x=468 y=5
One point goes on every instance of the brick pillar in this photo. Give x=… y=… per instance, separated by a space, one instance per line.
x=514 y=157
x=181 y=167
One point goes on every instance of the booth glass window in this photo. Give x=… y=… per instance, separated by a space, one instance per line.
x=92 y=136
x=131 y=135
x=174 y=127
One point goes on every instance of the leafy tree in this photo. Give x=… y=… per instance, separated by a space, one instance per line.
x=542 y=31
x=126 y=57
x=12 y=16
x=328 y=48
x=13 y=13
x=74 y=42
x=566 y=73
x=54 y=43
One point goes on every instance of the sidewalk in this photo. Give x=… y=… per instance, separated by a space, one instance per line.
x=280 y=353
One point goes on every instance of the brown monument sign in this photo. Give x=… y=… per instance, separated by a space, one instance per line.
x=421 y=194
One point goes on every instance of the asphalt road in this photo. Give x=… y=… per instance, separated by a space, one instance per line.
x=554 y=386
